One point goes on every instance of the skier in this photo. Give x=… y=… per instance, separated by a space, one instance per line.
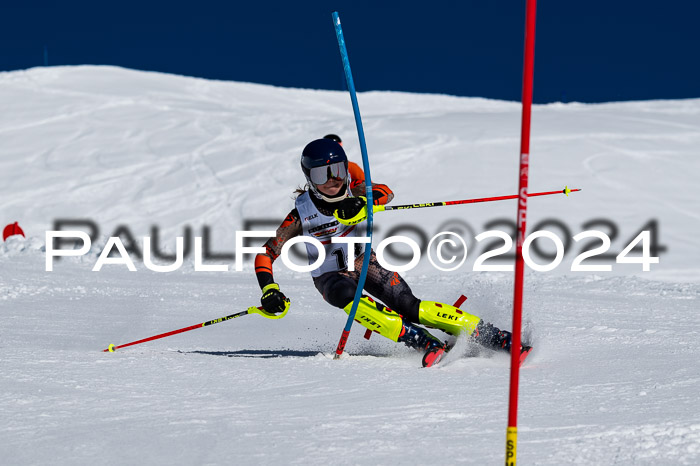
x=333 y=205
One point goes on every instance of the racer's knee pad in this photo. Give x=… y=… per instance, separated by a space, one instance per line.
x=447 y=318
x=377 y=318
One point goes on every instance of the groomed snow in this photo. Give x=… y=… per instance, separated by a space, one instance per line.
x=614 y=377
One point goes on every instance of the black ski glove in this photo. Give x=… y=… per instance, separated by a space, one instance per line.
x=273 y=300
x=352 y=210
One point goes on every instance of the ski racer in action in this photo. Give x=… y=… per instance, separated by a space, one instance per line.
x=332 y=205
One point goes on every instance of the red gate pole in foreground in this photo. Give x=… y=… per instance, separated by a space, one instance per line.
x=521 y=220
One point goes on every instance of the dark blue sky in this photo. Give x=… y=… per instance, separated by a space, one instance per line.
x=592 y=51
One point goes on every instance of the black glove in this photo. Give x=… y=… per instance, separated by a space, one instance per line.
x=273 y=300
x=352 y=210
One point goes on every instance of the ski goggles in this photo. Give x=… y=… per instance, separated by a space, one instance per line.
x=320 y=175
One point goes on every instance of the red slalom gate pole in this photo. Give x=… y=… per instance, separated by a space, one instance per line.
x=521 y=220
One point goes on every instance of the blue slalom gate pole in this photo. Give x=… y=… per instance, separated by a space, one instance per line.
x=368 y=184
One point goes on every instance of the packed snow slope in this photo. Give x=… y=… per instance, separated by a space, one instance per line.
x=614 y=378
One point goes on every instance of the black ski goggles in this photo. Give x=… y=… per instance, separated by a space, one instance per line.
x=320 y=175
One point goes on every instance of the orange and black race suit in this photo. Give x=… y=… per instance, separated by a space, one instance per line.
x=338 y=287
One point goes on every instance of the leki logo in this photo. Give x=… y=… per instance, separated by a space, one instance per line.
x=370 y=321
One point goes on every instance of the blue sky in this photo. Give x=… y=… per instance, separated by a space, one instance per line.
x=589 y=51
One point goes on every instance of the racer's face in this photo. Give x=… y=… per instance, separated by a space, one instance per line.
x=331 y=187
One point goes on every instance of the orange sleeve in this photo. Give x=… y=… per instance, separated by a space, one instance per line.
x=263 y=263
x=356 y=173
x=290 y=227
x=381 y=194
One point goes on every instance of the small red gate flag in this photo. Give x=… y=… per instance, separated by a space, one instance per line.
x=12 y=229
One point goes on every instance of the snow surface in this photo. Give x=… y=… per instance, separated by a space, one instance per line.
x=614 y=378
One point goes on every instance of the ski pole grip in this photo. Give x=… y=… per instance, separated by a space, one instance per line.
x=269 y=315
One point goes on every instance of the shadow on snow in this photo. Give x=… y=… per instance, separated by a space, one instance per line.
x=282 y=353
x=258 y=353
